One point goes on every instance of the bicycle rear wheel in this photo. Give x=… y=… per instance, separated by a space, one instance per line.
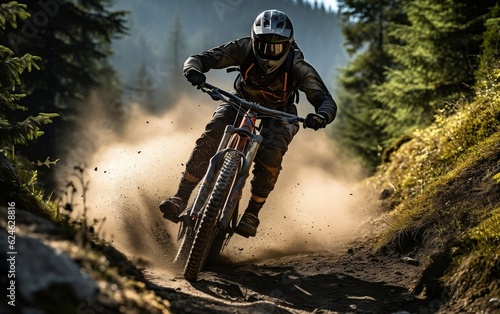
x=206 y=229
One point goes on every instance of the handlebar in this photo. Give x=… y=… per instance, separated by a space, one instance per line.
x=220 y=94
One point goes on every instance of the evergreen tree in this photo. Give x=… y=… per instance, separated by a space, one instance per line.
x=436 y=54
x=412 y=57
x=144 y=89
x=16 y=188
x=490 y=50
x=176 y=45
x=73 y=39
x=364 y=25
x=16 y=132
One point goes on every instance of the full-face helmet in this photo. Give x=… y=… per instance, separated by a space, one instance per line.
x=272 y=35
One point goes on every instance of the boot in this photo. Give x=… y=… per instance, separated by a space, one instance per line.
x=172 y=208
x=248 y=224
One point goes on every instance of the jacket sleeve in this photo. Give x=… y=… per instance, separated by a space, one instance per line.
x=230 y=54
x=309 y=81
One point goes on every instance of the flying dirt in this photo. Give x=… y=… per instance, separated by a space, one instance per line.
x=311 y=216
x=132 y=169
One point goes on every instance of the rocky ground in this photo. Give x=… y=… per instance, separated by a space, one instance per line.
x=351 y=279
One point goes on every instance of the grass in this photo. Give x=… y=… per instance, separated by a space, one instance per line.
x=447 y=199
x=477 y=262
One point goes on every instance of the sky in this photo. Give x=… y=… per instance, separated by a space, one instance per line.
x=328 y=3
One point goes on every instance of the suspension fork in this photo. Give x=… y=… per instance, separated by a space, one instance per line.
x=233 y=138
x=241 y=178
x=246 y=142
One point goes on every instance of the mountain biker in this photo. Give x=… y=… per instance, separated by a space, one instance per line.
x=272 y=70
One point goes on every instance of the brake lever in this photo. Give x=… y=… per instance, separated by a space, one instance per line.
x=215 y=95
x=210 y=90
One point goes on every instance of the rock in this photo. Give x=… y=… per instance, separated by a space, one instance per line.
x=494 y=300
x=411 y=261
x=43 y=275
x=408 y=296
x=386 y=193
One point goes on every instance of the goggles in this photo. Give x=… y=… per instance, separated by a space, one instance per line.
x=271 y=51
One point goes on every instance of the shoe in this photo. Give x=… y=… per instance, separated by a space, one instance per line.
x=247 y=226
x=172 y=208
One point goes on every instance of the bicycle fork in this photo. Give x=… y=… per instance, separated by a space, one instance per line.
x=247 y=156
x=247 y=146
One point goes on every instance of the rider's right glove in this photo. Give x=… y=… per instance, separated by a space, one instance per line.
x=315 y=121
x=195 y=77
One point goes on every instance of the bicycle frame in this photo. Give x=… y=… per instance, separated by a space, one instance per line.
x=245 y=142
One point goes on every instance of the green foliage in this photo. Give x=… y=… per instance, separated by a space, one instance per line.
x=10 y=12
x=423 y=54
x=435 y=58
x=73 y=43
x=364 y=25
x=11 y=67
x=448 y=194
x=489 y=53
x=19 y=183
x=478 y=251
x=24 y=131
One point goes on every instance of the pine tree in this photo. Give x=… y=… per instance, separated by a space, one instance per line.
x=73 y=39
x=436 y=53
x=12 y=131
x=11 y=67
x=364 y=25
x=412 y=57
x=176 y=45
x=490 y=50
x=143 y=88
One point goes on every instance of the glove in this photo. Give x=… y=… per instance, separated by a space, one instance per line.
x=315 y=121
x=195 y=77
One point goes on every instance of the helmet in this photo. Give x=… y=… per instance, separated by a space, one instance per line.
x=272 y=35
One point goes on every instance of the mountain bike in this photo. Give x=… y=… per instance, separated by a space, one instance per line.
x=208 y=224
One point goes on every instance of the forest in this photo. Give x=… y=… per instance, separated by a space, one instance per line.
x=403 y=72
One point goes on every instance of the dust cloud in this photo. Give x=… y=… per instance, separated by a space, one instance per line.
x=131 y=170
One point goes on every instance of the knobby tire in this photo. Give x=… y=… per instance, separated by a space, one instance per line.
x=206 y=229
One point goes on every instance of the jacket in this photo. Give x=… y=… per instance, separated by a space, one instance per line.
x=274 y=90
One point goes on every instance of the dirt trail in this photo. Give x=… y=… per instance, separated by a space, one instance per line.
x=348 y=279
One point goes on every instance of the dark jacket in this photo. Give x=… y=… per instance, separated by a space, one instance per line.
x=272 y=90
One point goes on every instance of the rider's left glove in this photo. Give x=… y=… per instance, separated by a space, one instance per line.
x=315 y=121
x=195 y=77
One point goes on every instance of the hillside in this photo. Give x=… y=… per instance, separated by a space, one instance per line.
x=440 y=192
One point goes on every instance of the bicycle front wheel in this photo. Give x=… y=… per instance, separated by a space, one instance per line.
x=206 y=229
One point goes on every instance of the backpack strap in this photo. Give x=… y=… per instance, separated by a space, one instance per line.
x=250 y=62
x=294 y=49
